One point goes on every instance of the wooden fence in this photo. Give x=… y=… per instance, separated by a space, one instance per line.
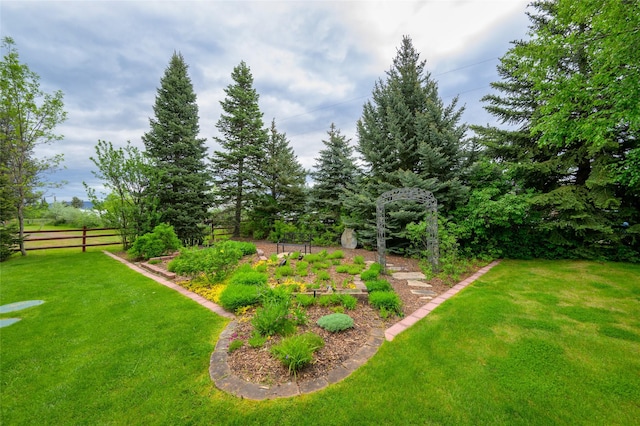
x=84 y=233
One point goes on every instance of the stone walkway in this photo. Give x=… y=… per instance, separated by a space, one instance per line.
x=225 y=380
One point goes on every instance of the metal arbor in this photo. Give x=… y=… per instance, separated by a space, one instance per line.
x=431 y=205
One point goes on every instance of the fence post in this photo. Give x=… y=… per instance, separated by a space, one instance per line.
x=84 y=238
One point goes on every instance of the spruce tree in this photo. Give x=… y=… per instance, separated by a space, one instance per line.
x=284 y=181
x=183 y=190
x=408 y=137
x=237 y=165
x=569 y=87
x=334 y=171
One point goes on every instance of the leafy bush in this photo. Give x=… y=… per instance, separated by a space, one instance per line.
x=346 y=300
x=245 y=247
x=302 y=268
x=335 y=322
x=284 y=271
x=295 y=352
x=238 y=296
x=378 y=285
x=162 y=240
x=250 y=277
x=273 y=317
x=9 y=241
x=323 y=276
x=215 y=262
x=349 y=269
x=305 y=300
x=372 y=272
x=358 y=260
x=338 y=254
x=386 y=300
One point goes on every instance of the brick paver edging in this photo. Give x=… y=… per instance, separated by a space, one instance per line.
x=391 y=332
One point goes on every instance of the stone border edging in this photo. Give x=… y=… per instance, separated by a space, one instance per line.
x=225 y=380
x=391 y=332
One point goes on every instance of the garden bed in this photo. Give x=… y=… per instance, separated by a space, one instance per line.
x=258 y=365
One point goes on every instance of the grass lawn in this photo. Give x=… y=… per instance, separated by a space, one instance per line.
x=531 y=342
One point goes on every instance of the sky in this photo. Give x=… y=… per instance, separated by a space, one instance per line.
x=313 y=62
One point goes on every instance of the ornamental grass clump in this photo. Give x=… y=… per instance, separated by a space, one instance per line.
x=372 y=272
x=273 y=317
x=249 y=277
x=335 y=322
x=234 y=297
x=296 y=352
x=378 y=285
x=386 y=301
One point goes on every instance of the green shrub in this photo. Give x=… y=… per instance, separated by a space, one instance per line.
x=335 y=322
x=378 y=285
x=358 y=260
x=313 y=257
x=235 y=297
x=161 y=241
x=299 y=315
x=257 y=340
x=346 y=300
x=302 y=268
x=215 y=262
x=349 y=269
x=305 y=300
x=250 y=277
x=245 y=247
x=273 y=317
x=235 y=345
x=284 y=271
x=338 y=254
x=9 y=241
x=323 y=276
x=322 y=264
x=372 y=272
x=295 y=352
x=385 y=300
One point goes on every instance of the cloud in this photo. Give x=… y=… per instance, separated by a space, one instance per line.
x=313 y=62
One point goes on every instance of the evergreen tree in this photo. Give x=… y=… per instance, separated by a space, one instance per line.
x=335 y=170
x=237 y=164
x=570 y=86
x=284 y=179
x=183 y=190
x=408 y=138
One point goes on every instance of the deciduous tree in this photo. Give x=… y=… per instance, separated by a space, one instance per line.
x=28 y=118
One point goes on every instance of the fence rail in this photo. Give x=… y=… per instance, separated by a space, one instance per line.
x=86 y=235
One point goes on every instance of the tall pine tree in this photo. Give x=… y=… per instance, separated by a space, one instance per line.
x=237 y=164
x=407 y=137
x=183 y=191
x=284 y=181
x=334 y=171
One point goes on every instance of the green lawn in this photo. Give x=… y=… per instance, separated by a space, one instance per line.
x=531 y=342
